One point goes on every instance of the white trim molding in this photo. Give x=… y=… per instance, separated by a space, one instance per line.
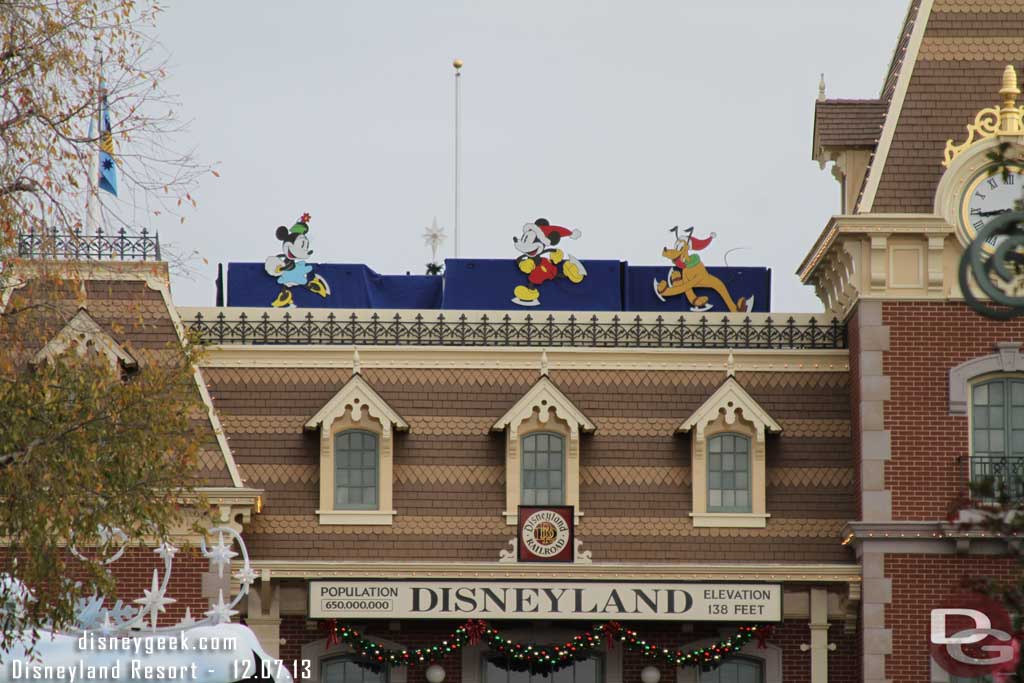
x=892 y=115
x=84 y=335
x=1007 y=358
x=729 y=410
x=357 y=406
x=543 y=408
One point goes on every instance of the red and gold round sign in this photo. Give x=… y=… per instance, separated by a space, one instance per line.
x=546 y=534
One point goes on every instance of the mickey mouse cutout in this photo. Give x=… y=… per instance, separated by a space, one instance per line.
x=540 y=259
x=290 y=267
x=687 y=274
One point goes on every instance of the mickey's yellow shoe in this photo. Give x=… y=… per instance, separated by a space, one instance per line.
x=527 y=265
x=526 y=294
x=283 y=300
x=572 y=271
x=318 y=286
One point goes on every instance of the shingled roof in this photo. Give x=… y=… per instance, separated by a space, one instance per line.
x=847 y=124
x=948 y=65
x=130 y=304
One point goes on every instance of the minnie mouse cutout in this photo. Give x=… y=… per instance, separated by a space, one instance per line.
x=290 y=267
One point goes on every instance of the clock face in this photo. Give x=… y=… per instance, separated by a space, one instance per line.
x=988 y=196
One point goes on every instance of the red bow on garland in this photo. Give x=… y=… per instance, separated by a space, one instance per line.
x=611 y=632
x=763 y=634
x=332 y=633
x=475 y=629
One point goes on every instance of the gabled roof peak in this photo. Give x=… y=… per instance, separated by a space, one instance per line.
x=352 y=398
x=84 y=335
x=544 y=397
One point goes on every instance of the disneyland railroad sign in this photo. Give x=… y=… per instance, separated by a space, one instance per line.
x=588 y=600
x=546 y=534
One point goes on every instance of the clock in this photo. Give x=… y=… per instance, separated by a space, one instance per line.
x=989 y=194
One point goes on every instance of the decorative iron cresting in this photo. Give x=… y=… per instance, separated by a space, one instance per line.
x=999 y=275
x=73 y=245
x=462 y=330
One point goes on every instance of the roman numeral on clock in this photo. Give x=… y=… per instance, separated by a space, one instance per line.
x=979 y=224
x=992 y=240
x=992 y=183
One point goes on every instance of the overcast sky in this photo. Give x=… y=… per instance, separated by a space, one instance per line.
x=620 y=118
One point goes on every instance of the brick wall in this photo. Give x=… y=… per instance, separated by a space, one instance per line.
x=853 y=334
x=928 y=469
x=919 y=583
x=134 y=572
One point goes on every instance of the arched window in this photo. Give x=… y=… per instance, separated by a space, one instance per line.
x=729 y=473
x=735 y=670
x=346 y=670
x=356 y=463
x=997 y=435
x=543 y=474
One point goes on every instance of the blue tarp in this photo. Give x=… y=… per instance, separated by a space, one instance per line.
x=740 y=282
x=488 y=284
x=352 y=286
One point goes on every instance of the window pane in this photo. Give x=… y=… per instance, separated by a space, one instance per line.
x=995 y=441
x=995 y=393
x=981 y=395
x=1017 y=393
x=728 y=473
x=355 y=473
x=542 y=476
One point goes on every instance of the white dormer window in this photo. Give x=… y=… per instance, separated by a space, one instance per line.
x=542 y=449
x=356 y=455
x=727 y=436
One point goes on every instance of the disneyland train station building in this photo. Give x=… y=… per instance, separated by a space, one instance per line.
x=544 y=465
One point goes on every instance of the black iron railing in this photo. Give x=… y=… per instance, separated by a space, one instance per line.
x=74 y=245
x=227 y=327
x=1004 y=475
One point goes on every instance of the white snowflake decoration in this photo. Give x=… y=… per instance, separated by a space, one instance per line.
x=154 y=600
x=220 y=613
x=90 y=613
x=220 y=555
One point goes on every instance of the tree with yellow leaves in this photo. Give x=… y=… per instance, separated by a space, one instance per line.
x=88 y=443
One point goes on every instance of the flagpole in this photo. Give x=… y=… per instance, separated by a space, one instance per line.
x=92 y=218
x=458 y=106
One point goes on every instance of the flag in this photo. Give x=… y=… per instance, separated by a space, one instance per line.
x=108 y=167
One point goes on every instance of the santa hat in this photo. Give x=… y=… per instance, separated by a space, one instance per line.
x=696 y=243
x=550 y=230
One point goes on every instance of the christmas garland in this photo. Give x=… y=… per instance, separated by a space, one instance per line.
x=547 y=657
